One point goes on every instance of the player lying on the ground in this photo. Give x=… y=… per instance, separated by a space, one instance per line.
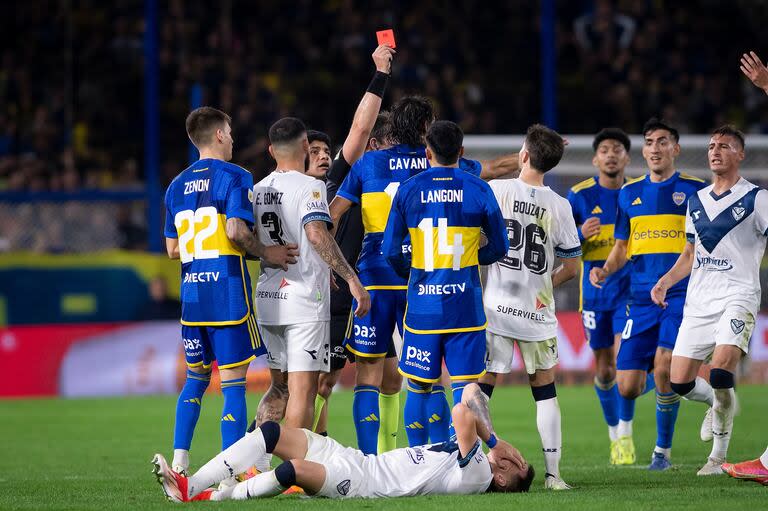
x=323 y=467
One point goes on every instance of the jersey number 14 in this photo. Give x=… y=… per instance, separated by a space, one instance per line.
x=456 y=248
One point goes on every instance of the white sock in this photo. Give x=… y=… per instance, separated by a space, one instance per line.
x=702 y=392
x=262 y=485
x=666 y=451
x=722 y=422
x=264 y=463
x=613 y=433
x=764 y=458
x=180 y=458
x=625 y=428
x=234 y=460
x=548 y=422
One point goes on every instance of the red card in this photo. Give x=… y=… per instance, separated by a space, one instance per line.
x=386 y=37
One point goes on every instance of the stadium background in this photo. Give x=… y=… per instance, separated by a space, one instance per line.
x=92 y=130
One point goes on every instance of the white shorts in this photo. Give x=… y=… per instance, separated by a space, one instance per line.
x=537 y=355
x=346 y=469
x=299 y=347
x=699 y=335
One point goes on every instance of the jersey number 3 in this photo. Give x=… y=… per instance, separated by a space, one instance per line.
x=271 y=223
x=530 y=240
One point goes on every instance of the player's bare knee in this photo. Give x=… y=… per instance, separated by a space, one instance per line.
x=234 y=373
x=726 y=357
x=422 y=386
x=391 y=387
x=459 y=412
x=200 y=370
x=630 y=389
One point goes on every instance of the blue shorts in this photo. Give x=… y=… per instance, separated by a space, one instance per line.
x=371 y=335
x=601 y=327
x=423 y=354
x=649 y=327
x=231 y=345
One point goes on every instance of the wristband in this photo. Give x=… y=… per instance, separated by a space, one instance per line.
x=378 y=84
x=492 y=441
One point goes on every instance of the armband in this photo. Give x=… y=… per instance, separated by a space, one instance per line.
x=378 y=84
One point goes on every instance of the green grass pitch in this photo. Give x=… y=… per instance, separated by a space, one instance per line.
x=94 y=454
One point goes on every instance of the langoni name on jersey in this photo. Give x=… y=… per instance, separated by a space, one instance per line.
x=442 y=196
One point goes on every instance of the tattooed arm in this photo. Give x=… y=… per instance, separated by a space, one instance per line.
x=324 y=244
x=273 y=403
x=277 y=255
x=472 y=419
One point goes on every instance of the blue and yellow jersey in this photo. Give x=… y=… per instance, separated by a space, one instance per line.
x=443 y=211
x=215 y=285
x=651 y=218
x=372 y=183
x=588 y=199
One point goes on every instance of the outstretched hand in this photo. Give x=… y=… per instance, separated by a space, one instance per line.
x=754 y=69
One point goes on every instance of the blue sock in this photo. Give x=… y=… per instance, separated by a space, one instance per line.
x=365 y=412
x=457 y=389
x=626 y=408
x=415 y=415
x=650 y=384
x=188 y=408
x=667 y=406
x=439 y=414
x=234 y=416
x=608 y=394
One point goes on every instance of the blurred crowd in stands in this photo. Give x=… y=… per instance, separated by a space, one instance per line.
x=71 y=92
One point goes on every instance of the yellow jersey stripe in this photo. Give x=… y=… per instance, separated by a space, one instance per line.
x=656 y=234
x=446 y=330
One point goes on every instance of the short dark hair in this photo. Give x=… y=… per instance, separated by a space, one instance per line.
x=444 y=139
x=516 y=484
x=382 y=128
x=730 y=129
x=203 y=122
x=616 y=134
x=410 y=117
x=655 y=123
x=525 y=483
x=286 y=130
x=314 y=136
x=545 y=147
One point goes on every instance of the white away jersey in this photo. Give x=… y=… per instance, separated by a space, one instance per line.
x=430 y=469
x=518 y=296
x=283 y=203
x=728 y=232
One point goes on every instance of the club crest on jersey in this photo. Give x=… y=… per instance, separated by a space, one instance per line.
x=696 y=214
x=738 y=212
x=737 y=326
x=315 y=194
x=678 y=198
x=343 y=487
